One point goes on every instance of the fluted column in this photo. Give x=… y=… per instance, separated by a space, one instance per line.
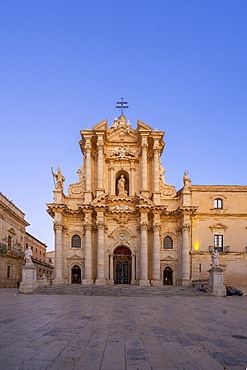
x=111 y=268
x=156 y=170
x=100 y=169
x=133 y=270
x=88 y=278
x=58 y=231
x=88 y=171
x=144 y=167
x=101 y=254
x=144 y=255
x=132 y=179
x=112 y=180
x=156 y=255
x=185 y=255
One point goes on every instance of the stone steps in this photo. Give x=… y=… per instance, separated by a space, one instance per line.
x=117 y=290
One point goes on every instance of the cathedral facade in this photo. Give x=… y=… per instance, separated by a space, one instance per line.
x=121 y=223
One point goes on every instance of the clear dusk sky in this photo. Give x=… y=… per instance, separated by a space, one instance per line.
x=180 y=64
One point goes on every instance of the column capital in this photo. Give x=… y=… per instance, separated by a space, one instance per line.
x=185 y=227
x=156 y=227
x=58 y=225
x=101 y=225
x=88 y=226
x=143 y=226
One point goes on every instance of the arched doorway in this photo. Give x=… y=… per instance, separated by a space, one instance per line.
x=75 y=275
x=168 y=276
x=122 y=265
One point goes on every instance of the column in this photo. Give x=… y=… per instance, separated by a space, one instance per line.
x=111 y=268
x=144 y=255
x=58 y=231
x=112 y=180
x=156 y=170
x=88 y=171
x=185 y=255
x=100 y=170
x=132 y=180
x=156 y=255
x=144 y=167
x=88 y=279
x=133 y=270
x=101 y=254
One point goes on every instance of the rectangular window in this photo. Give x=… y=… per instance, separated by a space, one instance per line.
x=8 y=272
x=218 y=243
x=218 y=203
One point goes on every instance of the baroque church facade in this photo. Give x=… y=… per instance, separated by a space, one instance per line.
x=121 y=223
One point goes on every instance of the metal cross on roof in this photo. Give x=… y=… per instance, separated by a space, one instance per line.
x=122 y=105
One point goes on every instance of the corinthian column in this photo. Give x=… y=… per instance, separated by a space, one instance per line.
x=144 y=168
x=88 y=171
x=58 y=231
x=100 y=182
x=185 y=281
x=144 y=255
x=112 y=181
x=101 y=254
x=88 y=279
x=156 y=255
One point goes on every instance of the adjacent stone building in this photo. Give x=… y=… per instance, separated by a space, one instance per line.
x=121 y=223
x=13 y=241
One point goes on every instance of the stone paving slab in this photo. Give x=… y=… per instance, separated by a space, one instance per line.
x=40 y=331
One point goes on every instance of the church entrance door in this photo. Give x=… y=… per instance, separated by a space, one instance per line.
x=168 y=276
x=122 y=265
x=76 y=275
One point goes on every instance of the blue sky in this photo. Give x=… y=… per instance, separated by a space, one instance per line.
x=181 y=65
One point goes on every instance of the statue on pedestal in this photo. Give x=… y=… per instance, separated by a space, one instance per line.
x=215 y=258
x=121 y=186
x=28 y=257
x=59 y=179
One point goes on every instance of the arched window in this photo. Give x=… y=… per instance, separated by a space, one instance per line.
x=218 y=203
x=168 y=243
x=76 y=241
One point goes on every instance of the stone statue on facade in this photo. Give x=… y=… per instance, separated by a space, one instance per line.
x=121 y=186
x=215 y=258
x=28 y=257
x=186 y=179
x=59 y=179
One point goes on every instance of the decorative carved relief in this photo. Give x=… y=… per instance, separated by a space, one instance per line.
x=78 y=187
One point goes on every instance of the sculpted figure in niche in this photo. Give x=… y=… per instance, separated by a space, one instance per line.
x=121 y=186
x=28 y=256
x=215 y=258
x=59 y=179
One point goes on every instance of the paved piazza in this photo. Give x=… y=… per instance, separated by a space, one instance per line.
x=90 y=332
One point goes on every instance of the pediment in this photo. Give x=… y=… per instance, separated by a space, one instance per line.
x=74 y=257
x=143 y=201
x=102 y=126
x=121 y=135
x=141 y=126
x=218 y=226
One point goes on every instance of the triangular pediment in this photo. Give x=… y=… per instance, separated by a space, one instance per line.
x=120 y=134
x=141 y=126
x=102 y=126
x=74 y=257
x=218 y=226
